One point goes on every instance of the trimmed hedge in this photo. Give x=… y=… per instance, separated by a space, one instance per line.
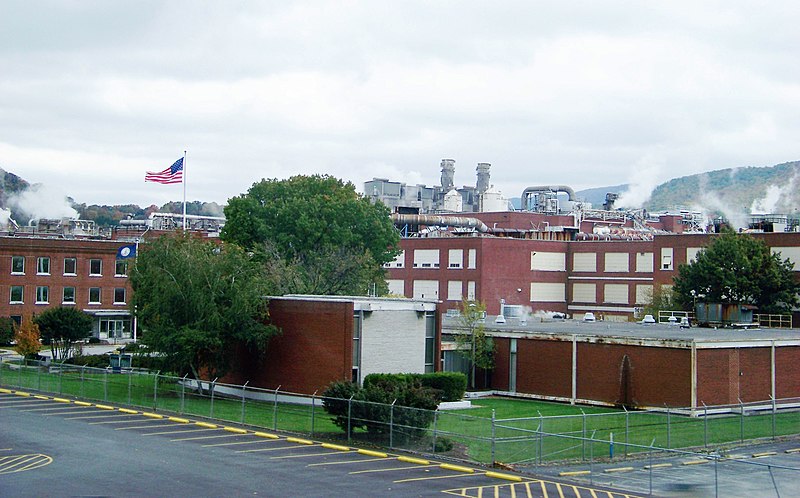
x=449 y=386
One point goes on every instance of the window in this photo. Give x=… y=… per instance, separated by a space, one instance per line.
x=121 y=268
x=18 y=265
x=70 y=266
x=454 y=290
x=96 y=267
x=69 y=295
x=42 y=294
x=666 y=258
x=471 y=257
x=43 y=265
x=17 y=319
x=548 y=261
x=94 y=295
x=616 y=262
x=430 y=340
x=119 y=295
x=426 y=258
x=584 y=261
x=16 y=294
x=456 y=258
x=356 y=378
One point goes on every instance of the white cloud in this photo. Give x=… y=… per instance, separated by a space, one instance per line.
x=95 y=94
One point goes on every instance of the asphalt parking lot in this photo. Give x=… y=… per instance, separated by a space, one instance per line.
x=52 y=446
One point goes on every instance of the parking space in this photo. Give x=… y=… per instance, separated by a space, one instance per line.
x=304 y=463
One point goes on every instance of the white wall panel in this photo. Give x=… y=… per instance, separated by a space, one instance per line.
x=584 y=261
x=426 y=289
x=548 y=261
x=644 y=262
x=548 y=292
x=616 y=262
x=615 y=293
x=584 y=293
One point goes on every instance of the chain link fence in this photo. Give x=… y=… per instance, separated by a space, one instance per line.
x=542 y=441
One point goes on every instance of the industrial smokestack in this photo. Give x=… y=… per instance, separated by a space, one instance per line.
x=448 y=173
x=482 y=184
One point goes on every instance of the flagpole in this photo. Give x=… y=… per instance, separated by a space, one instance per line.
x=184 y=190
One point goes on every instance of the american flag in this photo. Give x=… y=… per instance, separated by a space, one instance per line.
x=173 y=174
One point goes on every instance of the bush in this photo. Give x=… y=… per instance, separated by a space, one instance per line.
x=452 y=385
x=94 y=340
x=442 y=445
x=371 y=406
x=93 y=360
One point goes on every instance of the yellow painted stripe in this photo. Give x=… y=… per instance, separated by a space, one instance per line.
x=619 y=469
x=266 y=435
x=336 y=447
x=61 y=400
x=457 y=468
x=793 y=450
x=418 y=461
x=179 y=420
x=82 y=403
x=658 y=466
x=23 y=394
x=126 y=410
x=764 y=454
x=235 y=430
x=104 y=407
x=298 y=440
x=206 y=425
x=152 y=415
x=694 y=462
x=41 y=397
x=574 y=473
x=5 y=391
x=507 y=477
x=373 y=453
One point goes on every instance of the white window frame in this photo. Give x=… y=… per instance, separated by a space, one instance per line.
x=644 y=262
x=64 y=295
x=454 y=290
x=18 y=258
x=42 y=294
x=426 y=258
x=100 y=274
x=72 y=273
x=41 y=263
x=124 y=295
x=667 y=261
x=472 y=256
x=455 y=259
x=99 y=295
x=21 y=294
x=117 y=264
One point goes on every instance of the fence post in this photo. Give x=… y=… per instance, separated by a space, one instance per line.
x=583 y=435
x=741 y=420
x=494 y=438
x=705 y=424
x=155 y=390
x=774 y=413
x=22 y=364
x=313 y=408
x=83 y=367
x=212 y=386
x=60 y=377
x=130 y=379
x=669 y=427
x=435 y=420
x=650 y=471
x=183 y=393
x=591 y=458
x=105 y=385
x=391 y=424
x=349 y=416
x=541 y=435
x=626 y=430
x=244 y=388
x=275 y=410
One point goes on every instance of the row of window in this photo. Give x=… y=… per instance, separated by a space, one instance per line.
x=17 y=295
x=70 y=266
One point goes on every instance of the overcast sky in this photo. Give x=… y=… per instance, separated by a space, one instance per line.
x=586 y=94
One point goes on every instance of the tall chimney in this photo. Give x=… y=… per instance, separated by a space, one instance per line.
x=448 y=172
x=483 y=177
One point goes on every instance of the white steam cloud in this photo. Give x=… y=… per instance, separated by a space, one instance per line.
x=777 y=199
x=645 y=174
x=42 y=202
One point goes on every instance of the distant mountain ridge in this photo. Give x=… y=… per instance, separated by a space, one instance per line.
x=731 y=192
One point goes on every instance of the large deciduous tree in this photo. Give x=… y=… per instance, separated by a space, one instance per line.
x=61 y=327
x=738 y=268
x=27 y=338
x=317 y=231
x=199 y=303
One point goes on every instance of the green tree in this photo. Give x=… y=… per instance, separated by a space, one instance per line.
x=61 y=327
x=6 y=330
x=738 y=268
x=318 y=231
x=200 y=304
x=27 y=338
x=660 y=299
x=471 y=339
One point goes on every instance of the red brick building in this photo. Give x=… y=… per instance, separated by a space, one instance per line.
x=642 y=365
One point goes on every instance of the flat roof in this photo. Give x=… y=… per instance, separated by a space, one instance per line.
x=367 y=303
x=655 y=334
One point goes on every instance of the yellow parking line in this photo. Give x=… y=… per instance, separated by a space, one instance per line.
x=304 y=455
x=179 y=431
x=764 y=454
x=266 y=435
x=299 y=441
x=456 y=468
x=507 y=477
x=793 y=450
x=235 y=430
x=418 y=461
x=38 y=396
x=373 y=453
x=235 y=443
x=393 y=469
x=82 y=403
x=293 y=447
x=336 y=447
x=694 y=462
x=619 y=469
x=143 y=427
x=343 y=462
x=104 y=407
x=102 y=415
